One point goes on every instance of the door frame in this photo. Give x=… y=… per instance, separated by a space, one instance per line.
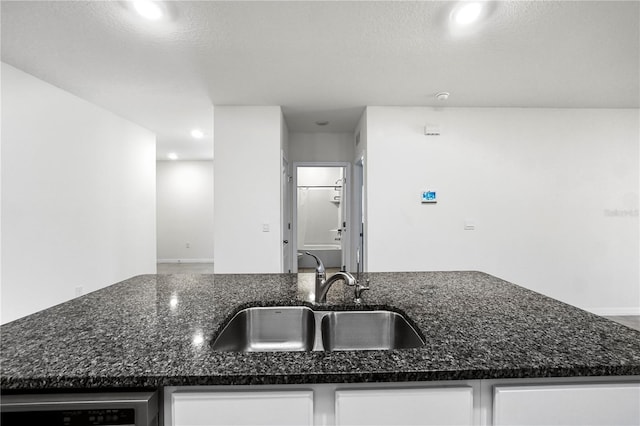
x=286 y=208
x=346 y=254
x=359 y=215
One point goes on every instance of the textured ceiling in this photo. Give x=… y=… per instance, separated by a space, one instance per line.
x=323 y=60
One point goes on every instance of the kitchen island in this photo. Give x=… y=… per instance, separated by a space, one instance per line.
x=155 y=331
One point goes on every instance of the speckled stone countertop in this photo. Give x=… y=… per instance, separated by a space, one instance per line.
x=156 y=330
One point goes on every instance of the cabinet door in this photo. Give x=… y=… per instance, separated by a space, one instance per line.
x=606 y=404
x=415 y=406
x=242 y=408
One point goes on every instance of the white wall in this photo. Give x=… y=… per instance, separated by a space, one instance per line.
x=360 y=137
x=185 y=211
x=320 y=147
x=247 y=158
x=319 y=213
x=78 y=196
x=553 y=194
x=319 y=176
x=284 y=137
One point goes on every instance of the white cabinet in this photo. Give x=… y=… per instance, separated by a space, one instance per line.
x=580 y=401
x=242 y=408
x=413 y=406
x=583 y=404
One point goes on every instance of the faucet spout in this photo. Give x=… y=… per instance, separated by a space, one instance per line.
x=321 y=292
x=323 y=284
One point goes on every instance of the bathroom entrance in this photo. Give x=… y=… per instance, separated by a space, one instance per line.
x=321 y=215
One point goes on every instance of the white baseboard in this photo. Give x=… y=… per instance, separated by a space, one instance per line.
x=184 y=261
x=606 y=312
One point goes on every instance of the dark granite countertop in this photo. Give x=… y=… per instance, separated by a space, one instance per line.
x=156 y=330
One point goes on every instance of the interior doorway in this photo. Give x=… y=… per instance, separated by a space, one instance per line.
x=321 y=214
x=359 y=217
x=287 y=187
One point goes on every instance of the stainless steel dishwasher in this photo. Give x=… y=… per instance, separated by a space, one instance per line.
x=85 y=409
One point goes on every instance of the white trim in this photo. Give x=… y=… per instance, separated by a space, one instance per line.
x=614 y=311
x=358 y=211
x=184 y=260
x=286 y=230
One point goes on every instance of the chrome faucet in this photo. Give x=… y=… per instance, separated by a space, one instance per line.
x=323 y=284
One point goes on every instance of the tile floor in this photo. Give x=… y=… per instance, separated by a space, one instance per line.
x=632 y=321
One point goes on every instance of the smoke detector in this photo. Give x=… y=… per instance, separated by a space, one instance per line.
x=442 y=96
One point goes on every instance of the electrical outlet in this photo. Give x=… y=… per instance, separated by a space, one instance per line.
x=79 y=291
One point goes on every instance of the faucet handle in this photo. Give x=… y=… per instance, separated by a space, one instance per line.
x=319 y=265
x=358 y=292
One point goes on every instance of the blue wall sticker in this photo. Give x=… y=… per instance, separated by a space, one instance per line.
x=429 y=197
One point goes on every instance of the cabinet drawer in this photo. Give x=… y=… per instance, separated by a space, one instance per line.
x=430 y=406
x=242 y=408
x=594 y=404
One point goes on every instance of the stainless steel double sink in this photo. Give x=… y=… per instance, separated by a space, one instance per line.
x=299 y=328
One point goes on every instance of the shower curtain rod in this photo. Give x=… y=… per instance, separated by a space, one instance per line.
x=336 y=187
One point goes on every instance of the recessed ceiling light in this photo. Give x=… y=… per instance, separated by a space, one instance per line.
x=322 y=123
x=172 y=156
x=197 y=133
x=442 y=96
x=467 y=13
x=148 y=9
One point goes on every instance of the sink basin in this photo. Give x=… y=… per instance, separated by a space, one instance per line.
x=368 y=330
x=299 y=328
x=269 y=329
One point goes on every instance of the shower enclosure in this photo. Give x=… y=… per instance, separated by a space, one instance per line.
x=321 y=214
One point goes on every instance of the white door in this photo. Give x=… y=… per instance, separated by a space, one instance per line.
x=344 y=226
x=357 y=222
x=287 y=245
